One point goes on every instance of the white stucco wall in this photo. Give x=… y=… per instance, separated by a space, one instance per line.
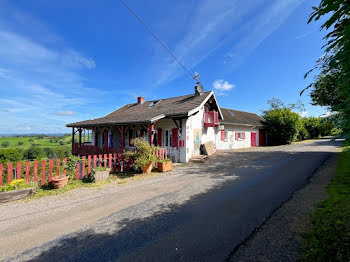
x=230 y=142
x=195 y=123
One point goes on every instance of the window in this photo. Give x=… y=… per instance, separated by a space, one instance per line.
x=166 y=138
x=86 y=136
x=137 y=134
x=240 y=135
x=223 y=135
x=155 y=138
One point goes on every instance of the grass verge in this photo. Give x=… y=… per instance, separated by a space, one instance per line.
x=329 y=236
x=121 y=179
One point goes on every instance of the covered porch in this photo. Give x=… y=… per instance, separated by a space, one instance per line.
x=87 y=140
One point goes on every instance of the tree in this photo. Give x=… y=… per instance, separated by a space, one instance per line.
x=20 y=143
x=10 y=155
x=331 y=87
x=312 y=125
x=5 y=144
x=34 y=152
x=281 y=123
x=326 y=127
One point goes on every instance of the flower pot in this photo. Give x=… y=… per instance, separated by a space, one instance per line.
x=147 y=169
x=59 y=181
x=101 y=175
x=165 y=166
x=15 y=194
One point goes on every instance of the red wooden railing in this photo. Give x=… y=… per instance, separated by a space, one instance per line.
x=116 y=161
x=211 y=119
x=93 y=150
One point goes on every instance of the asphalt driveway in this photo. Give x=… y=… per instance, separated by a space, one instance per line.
x=199 y=212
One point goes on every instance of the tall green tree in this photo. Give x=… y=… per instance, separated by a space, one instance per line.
x=281 y=123
x=331 y=87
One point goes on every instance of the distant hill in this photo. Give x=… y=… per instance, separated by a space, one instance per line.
x=33 y=134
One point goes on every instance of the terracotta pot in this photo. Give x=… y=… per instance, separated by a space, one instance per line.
x=59 y=181
x=147 y=169
x=165 y=166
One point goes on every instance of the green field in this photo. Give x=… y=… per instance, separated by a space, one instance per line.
x=23 y=142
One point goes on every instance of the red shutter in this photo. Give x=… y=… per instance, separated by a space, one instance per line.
x=223 y=135
x=243 y=135
x=159 y=137
x=175 y=137
x=130 y=137
x=236 y=135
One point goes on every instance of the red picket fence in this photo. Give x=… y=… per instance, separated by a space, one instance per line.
x=52 y=167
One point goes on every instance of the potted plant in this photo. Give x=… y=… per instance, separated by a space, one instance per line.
x=59 y=181
x=143 y=155
x=17 y=189
x=101 y=173
x=165 y=165
x=62 y=180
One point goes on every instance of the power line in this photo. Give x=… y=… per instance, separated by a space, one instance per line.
x=193 y=76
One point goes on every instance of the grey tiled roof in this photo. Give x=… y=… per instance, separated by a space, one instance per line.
x=241 y=118
x=146 y=113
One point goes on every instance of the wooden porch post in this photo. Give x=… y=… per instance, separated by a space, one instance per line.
x=151 y=136
x=123 y=137
x=105 y=139
x=95 y=136
x=80 y=136
x=73 y=133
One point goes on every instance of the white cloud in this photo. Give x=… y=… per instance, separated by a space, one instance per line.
x=303 y=113
x=222 y=85
x=77 y=60
x=65 y=113
x=238 y=26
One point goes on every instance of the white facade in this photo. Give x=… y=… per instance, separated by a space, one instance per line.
x=197 y=134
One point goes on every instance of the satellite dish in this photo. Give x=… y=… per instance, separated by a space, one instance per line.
x=199 y=87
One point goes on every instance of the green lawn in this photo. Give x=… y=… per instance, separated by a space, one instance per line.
x=329 y=236
x=26 y=141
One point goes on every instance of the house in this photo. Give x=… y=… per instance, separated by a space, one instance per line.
x=181 y=124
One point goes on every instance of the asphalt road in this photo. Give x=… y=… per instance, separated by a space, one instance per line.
x=200 y=212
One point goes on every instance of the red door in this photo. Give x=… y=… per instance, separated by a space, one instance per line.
x=253 y=139
x=261 y=138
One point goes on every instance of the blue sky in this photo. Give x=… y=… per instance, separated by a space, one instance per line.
x=65 y=61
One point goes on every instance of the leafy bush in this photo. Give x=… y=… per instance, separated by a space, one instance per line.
x=303 y=134
x=71 y=165
x=16 y=184
x=10 y=155
x=20 y=143
x=164 y=160
x=326 y=127
x=34 y=152
x=49 y=152
x=313 y=126
x=5 y=144
x=282 y=125
x=143 y=154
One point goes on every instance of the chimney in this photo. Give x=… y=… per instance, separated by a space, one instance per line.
x=140 y=100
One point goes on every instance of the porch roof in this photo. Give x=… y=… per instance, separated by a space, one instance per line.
x=149 y=111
